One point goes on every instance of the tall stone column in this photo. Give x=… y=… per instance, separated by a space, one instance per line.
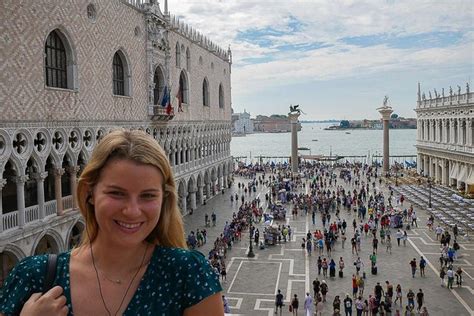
x=58 y=172
x=469 y=132
x=444 y=180
x=73 y=176
x=20 y=198
x=419 y=167
x=192 y=199
x=220 y=183
x=3 y=182
x=294 y=141
x=208 y=190
x=426 y=166
x=39 y=177
x=386 y=111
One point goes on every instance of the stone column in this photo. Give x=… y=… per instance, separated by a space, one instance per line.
x=201 y=192
x=173 y=158
x=220 y=183
x=184 y=208
x=418 y=163
x=73 y=174
x=294 y=141
x=39 y=177
x=58 y=172
x=469 y=132
x=3 y=182
x=208 y=190
x=426 y=166
x=20 y=198
x=444 y=180
x=192 y=199
x=386 y=111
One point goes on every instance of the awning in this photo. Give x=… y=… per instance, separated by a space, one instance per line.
x=470 y=178
x=453 y=171
x=462 y=175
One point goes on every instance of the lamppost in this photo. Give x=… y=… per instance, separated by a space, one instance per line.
x=396 y=175
x=429 y=193
x=250 y=254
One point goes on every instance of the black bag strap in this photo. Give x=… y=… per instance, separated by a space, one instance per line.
x=50 y=272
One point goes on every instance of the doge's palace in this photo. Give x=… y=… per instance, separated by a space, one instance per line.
x=71 y=71
x=445 y=137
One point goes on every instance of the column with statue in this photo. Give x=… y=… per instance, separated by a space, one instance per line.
x=386 y=111
x=293 y=117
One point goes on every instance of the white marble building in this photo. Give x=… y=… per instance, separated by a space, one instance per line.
x=74 y=70
x=243 y=124
x=445 y=137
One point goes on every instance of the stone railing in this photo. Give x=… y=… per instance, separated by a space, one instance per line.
x=67 y=202
x=50 y=208
x=455 y=99
x=31 y=213
x=10 y=220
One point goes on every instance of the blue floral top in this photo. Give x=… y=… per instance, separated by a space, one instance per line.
x=174 y=280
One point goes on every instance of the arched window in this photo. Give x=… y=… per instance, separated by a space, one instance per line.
x=159 y=82
x=188 y=59
x=205 y=92
x=58 y=63
x=178 y=56
x=121 y=75
x=183 y=88
x=118 y=75
x=221 y=97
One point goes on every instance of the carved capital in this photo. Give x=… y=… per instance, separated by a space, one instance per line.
x=3 y=182
x=20 y=180
x=73 y=169
x=58 y=172
x=40 y=176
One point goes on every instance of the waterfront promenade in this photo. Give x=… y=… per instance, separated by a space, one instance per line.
x=252 y=283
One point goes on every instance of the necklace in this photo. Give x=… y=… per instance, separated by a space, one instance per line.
x=118 y=281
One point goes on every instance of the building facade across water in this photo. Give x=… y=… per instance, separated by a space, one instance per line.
x=73 y=71
x=445 y=137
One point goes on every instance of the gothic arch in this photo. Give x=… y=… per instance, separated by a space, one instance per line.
x=53 y=237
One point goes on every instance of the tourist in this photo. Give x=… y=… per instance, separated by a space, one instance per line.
x=341 y=267
x=422 y=266
x=442 y=274
x=411 y=298
x=308 y=305
x=225 y=302
x=324 y=264
x=355 y=287
x=127 y=196
x=388 y=244
x=332 y=268
x=424 y=311
x=279 y=302
x=450 y=275
x=358 y=265
x=405 y=238
x=359 y=305
x=459 y=277
x=336 y=305
x=319 y=265
x=348 y=305
x=294 y=305
x=420 y=298
x=319 y=308
x=399 y=295
x=324 y=290
x=214 y=218
x=206 y=220
x=413 y=267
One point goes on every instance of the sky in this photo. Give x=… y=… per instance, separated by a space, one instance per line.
x=337 y=59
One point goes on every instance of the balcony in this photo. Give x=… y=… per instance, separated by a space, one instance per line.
x=159 y=113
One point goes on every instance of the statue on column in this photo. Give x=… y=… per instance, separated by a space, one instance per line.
x=442 y=92
x=294 y=109
x=459 y=90
x=450 y=91
x=436 y=94
x=429 y=93
x=467 y=87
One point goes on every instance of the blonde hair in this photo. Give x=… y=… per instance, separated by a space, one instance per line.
x=139 y=147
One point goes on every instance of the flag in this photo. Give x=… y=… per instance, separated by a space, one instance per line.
x=165 y=98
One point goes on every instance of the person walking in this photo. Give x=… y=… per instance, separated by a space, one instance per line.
x=422 y=265
x=325 y=267
x=308 y=305
x=359 y=305
x=279 y=302
x=388 y=244
x=320 y=265
x=442 y=274
x=341 y=267
x=399 y=236
x=324 y=290
x=413 y=267
x=459 y=277
x=411 y=298
x=355 y=287
x=399 y=297
x=336 y=305
x=450 y=275
x=294 y=305
x=420 y=298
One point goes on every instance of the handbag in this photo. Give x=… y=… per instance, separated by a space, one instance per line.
x=290 y=308
x=50 y=273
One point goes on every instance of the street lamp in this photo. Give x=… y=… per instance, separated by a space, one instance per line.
x=250 y=254
x=429 y=193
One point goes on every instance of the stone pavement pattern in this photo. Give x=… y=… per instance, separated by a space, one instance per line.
x=252 y=283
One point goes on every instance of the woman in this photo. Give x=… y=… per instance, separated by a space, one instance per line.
x=399 y=296
x=132 y=258
x=295 y=303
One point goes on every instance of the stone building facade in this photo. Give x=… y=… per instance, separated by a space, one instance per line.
x=74 y=70
x=445 y=137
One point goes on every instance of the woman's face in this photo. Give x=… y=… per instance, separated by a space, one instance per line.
x=127 y=201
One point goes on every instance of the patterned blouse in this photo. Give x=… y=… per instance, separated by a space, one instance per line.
x=174 y=280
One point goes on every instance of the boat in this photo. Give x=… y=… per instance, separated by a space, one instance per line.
x=314 y=140
x=348 y=132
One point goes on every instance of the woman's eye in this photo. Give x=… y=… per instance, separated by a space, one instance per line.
x=149 y=196
x=116 y=193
